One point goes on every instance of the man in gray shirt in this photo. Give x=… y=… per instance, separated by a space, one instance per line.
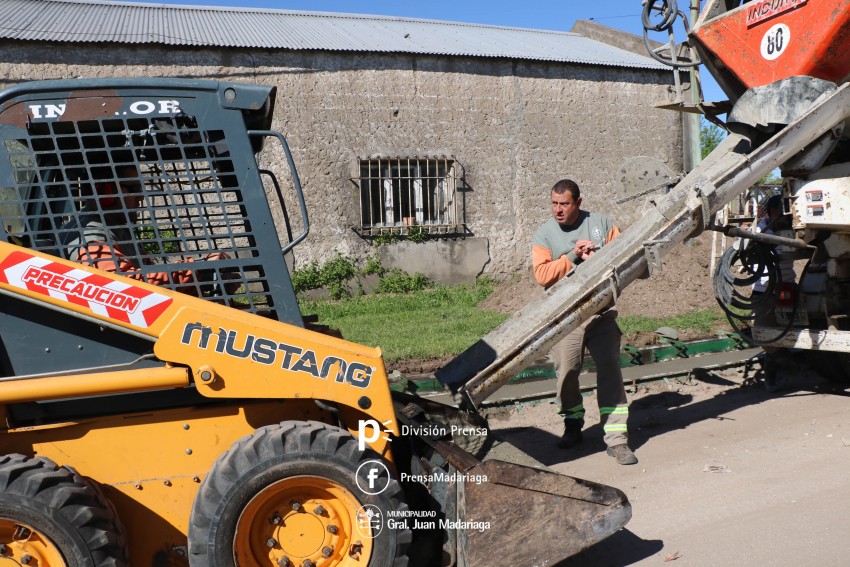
x=566 y=240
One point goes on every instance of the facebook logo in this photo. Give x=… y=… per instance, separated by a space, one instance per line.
x=373 y=477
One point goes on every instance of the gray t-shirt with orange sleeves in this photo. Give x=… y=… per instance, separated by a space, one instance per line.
x=552 y=244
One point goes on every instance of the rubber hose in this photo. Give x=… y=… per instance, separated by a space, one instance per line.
x=668 y=12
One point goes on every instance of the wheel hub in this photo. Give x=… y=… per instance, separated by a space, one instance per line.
x=301 y=535
x=302 y=521
x=22 y=545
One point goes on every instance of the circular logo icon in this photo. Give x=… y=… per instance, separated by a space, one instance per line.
x=369 y=521
x=775 y=41
x=373 y=477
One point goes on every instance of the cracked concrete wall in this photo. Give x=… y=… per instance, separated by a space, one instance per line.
x=515 y=127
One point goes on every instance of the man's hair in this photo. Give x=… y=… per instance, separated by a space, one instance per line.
x=565 y=185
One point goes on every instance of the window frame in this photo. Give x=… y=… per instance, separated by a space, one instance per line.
x=404 y=195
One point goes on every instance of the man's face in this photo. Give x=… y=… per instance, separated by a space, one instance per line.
x=564 y=208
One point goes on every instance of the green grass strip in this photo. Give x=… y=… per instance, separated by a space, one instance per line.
x=432 y=323
x=445 y=320
x=705 y=321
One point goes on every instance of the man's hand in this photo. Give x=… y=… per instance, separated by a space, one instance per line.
x=584 y=249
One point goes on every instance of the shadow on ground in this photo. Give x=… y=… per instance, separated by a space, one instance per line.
x=665 y=411
x=622 y=548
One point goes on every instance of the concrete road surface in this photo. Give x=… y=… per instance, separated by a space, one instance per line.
x=729 y=474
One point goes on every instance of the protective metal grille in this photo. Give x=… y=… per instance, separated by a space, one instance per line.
x=155 y=200
x=397 y=194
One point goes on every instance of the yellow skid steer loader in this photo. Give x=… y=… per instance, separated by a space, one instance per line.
x=163 y=400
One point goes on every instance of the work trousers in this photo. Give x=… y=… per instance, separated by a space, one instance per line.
x=601 y=336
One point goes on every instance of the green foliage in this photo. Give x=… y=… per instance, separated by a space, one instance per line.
x=399 y=281
x=710 y=136
x=338 y=275
x=151 y=245
x=772 y=178
x=335 y=275
x=704 y=321
x=373 y=266
x=385 y=238
x=417 y=234
x=433 y=323
x=304 y=279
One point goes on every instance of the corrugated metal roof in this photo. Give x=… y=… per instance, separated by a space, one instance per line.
x=141 y=23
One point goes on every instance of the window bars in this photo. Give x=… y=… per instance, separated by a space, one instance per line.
x=397 y=194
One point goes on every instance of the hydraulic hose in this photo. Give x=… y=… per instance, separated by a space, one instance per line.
x=736 y=272
x=669 y=11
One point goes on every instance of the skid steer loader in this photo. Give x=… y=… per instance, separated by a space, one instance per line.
x=163 y=400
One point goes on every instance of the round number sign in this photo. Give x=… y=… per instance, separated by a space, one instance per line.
x=775 y=41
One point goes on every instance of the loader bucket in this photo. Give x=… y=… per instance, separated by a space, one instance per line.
x=533 y=516
x=499 y=502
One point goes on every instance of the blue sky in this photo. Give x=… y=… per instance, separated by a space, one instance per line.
x=542 y=14
x=557 y=15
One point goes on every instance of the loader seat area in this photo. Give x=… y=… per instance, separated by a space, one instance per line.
x=192 y=205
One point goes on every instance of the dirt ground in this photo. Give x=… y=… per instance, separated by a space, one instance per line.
x=729 y=474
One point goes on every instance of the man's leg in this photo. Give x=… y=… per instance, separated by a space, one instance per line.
x=603 y=342
x=568 y=355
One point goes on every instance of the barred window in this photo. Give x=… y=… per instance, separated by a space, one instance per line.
x=402 y=192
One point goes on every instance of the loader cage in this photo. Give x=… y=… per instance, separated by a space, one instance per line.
x=201 y=222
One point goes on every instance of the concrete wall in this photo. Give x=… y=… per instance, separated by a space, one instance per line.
x=516 y=127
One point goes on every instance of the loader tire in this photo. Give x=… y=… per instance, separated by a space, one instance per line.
x=288 y=495
x=55 y=517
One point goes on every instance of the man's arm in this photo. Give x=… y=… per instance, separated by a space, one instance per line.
x=111 y=259
x=548 y=270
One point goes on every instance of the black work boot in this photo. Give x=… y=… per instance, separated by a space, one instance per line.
x=572 y=433
x=623 y=454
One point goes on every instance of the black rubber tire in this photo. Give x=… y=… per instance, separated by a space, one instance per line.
x=833 y=366
x=273 y=453
x=65 y=508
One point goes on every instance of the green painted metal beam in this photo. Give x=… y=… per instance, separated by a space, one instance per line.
x=630 y=356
